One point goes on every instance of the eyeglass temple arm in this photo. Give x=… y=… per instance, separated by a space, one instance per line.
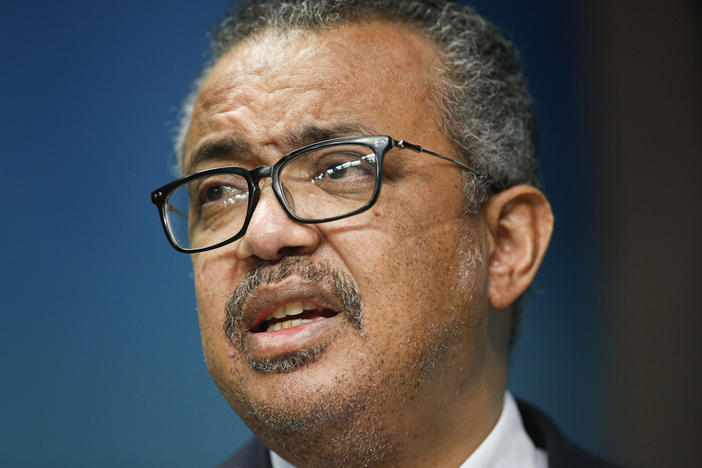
x=483 y=178
x=173 y=209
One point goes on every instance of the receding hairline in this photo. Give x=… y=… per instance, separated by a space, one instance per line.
x=434 y=76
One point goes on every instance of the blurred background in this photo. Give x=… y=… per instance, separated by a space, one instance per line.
x=99 y=342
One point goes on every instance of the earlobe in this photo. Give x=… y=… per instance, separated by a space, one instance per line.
x=520 y=222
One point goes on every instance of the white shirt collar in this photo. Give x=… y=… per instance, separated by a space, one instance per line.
x=506 y=446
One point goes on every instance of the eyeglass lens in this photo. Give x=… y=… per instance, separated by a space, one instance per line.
x=317 y=185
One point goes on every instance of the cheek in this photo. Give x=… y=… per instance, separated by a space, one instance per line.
x=215 y=275
x=215 y=278
x=406 y=235
x=214 y=282
x=408 y=261
x=419 y=260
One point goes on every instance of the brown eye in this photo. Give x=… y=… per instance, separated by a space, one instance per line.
x=222 y=188
x=343 y=166
x=215 y=193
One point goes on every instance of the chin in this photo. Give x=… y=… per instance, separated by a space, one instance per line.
x=318 y=418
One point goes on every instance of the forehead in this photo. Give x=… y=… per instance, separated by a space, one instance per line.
x=379 y=75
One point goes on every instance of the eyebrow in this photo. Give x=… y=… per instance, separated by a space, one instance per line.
x=305 y=135
x=216 y=149
x=309 y=134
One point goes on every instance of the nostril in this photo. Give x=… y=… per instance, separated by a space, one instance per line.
x=291 y=251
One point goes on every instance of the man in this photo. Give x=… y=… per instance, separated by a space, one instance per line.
x=361 y=205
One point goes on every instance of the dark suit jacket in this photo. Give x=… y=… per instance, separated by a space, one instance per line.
x=543 y=432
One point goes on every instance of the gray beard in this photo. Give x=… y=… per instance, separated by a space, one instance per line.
x=299 y=431
x=347 y=427
x=343 y=430
x=342 y=286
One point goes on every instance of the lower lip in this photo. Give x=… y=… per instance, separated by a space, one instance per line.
x=288 y=340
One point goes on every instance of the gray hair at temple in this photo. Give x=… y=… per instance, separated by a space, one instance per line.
x=486 y=107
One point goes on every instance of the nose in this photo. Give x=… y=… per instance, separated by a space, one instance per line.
x=272 y=234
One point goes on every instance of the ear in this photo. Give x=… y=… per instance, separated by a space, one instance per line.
x=520 y=222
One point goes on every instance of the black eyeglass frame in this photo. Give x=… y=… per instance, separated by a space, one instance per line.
x=379 y=144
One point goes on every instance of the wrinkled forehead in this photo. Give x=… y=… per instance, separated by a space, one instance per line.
x=381 y=74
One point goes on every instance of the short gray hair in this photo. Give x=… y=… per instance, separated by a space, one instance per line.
x=486 y=107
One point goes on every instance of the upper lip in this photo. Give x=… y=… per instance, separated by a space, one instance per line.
x=267 y=299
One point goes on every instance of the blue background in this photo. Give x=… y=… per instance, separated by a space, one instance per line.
x=99 y=341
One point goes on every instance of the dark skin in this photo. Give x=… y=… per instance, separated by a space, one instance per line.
x=421 y=382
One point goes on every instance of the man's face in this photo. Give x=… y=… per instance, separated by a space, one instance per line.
x=399 y=289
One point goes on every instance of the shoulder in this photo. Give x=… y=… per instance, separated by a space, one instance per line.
x=252 y=455
x=561 y=452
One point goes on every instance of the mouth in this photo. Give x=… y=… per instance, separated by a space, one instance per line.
x=285 y=316
x=290 y=315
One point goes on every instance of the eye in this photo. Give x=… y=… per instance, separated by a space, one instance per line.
x=345 y=165
x=216 y=192
x=220 y=191
x=339 y=171
x=227 y=193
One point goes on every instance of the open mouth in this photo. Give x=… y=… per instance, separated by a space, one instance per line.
x=293 y=314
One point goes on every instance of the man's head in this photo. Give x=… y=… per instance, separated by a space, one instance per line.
x=403 y=349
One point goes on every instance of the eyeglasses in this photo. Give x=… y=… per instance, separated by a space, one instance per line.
x=318 y=183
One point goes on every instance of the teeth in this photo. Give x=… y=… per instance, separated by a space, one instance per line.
x=294 y=308
x=280 y=313
x=290 y=323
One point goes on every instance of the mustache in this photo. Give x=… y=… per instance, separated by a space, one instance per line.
x=341 y=285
